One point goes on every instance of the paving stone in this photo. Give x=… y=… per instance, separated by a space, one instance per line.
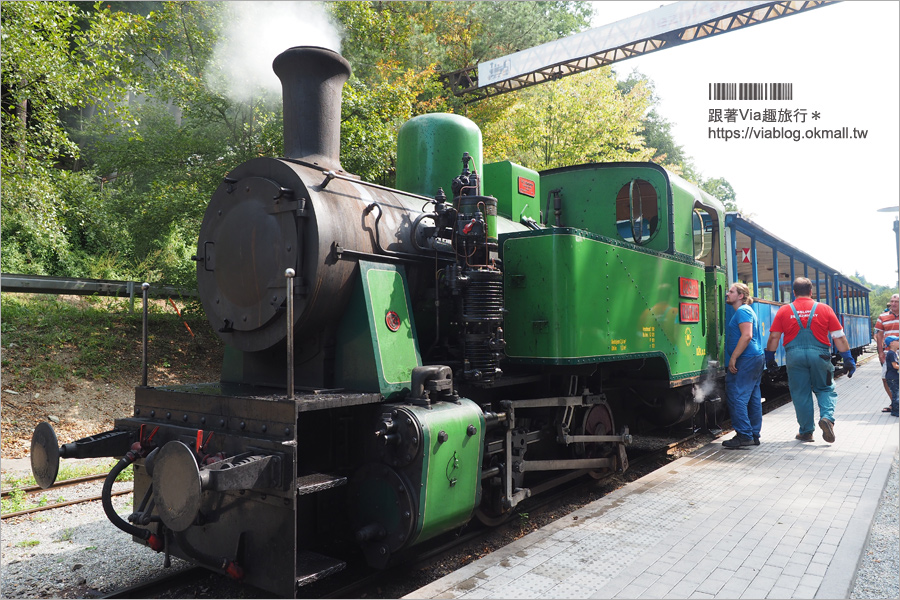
x=763 y=522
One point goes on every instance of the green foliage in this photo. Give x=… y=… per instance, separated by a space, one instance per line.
x=55 y=221
x=878 y=299
x=116 y=132
x=57 y=59
x=502 y=28
x=372 y=114
x=657 y=132
x=397 y=49
x=720 y=189
x=450 y=35
x=578 y=119
x=14 y=502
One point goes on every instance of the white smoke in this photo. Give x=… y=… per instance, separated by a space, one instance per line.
x=704 y=390
x=258 y=32
x=707 y=386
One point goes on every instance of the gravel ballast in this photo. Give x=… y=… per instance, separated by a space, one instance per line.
x=73 y=552
x=877 y=576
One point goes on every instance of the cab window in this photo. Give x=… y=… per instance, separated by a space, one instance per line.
x=706 y=235
x=637 y=211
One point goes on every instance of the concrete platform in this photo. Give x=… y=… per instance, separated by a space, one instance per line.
x=780 y=520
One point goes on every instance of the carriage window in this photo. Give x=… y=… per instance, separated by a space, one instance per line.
x=637 y=211
x=706 y=236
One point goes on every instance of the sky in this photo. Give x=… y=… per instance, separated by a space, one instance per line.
x=820 y=195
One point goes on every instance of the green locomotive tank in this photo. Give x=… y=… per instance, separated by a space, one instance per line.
x=429 y=148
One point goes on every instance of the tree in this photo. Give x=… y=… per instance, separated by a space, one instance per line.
x=577 y=119
x=397 y=50
x=115 y=132
x=719 y=188
x=657 y=131
x=56 y=58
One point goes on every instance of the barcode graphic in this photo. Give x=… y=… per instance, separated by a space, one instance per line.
x=751 y=91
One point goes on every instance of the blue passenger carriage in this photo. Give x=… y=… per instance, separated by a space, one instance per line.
x=769 y=265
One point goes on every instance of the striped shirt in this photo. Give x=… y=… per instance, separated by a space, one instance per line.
x=888 y=323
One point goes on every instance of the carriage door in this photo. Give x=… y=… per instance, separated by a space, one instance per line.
x=708 y=250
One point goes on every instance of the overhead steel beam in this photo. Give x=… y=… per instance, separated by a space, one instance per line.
x=658 y=29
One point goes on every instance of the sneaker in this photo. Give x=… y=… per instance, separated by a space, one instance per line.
x=827 y=430
x=756 y=440
x=738 y=441
x=804 y=437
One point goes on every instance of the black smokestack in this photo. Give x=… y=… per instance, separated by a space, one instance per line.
x=311 y=82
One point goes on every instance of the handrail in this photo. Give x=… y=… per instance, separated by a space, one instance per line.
x=43 y=284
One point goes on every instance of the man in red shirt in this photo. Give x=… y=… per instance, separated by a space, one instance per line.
x=888 y=324
x=806 y=325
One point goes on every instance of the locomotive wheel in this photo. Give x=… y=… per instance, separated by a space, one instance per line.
x=490 y=518
x=598 y=420
x=490 y=512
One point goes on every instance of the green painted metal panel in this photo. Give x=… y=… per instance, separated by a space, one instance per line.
x=573 y=298
x=716 y=285
x=398 y=354
x=377 y=347
x=589 y=199
x=516 y=188
x=451 y=476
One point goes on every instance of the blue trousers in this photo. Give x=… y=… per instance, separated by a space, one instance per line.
x=809 y=373
x=744 y=398
x=895 y=400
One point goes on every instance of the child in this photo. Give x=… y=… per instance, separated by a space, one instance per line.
x=892 y=376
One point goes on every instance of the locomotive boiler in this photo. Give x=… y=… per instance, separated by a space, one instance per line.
x=399 y=361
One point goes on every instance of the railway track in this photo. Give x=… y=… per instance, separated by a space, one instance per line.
x=35 y=490
x=538 y=512
x=453 y=554
x=431 y=561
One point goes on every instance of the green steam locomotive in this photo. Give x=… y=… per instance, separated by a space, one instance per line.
x=400 y=361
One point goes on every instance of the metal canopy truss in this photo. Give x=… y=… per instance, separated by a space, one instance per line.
x=664 y=27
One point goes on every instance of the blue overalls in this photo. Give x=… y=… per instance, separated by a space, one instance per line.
x=809 y=370
x=744 y=397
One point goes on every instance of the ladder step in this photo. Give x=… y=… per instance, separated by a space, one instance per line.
x=313 y=567
x=316 y=482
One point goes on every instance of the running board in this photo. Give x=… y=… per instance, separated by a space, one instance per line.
x=317 y=482
x=312 y=567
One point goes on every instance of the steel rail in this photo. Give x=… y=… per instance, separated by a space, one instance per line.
x=29 y=511
x=58 y=484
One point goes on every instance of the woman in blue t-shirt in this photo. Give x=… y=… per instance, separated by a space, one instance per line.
x=746 y=360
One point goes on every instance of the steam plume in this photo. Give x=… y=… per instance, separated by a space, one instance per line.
x=257 y=32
